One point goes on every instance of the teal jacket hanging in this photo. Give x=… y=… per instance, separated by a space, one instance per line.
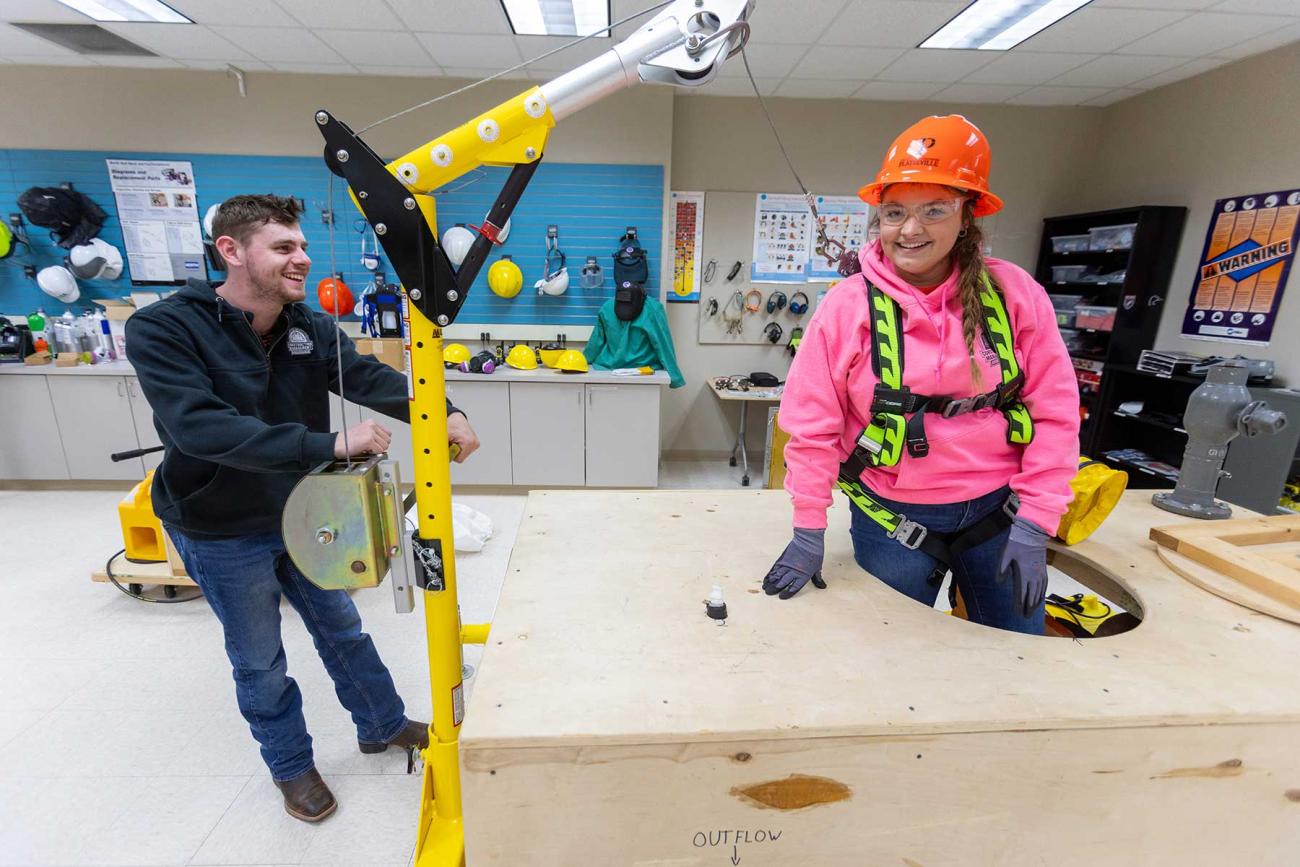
x=643 y=342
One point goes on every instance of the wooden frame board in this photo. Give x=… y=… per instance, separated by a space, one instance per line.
x=1235 y=549
x=613 y=722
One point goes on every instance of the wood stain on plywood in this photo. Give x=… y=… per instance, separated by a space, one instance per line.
x=795 y=792
x=1229 y=768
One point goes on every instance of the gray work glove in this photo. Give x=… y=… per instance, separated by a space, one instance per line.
x=799 y=563
x=1025 y=559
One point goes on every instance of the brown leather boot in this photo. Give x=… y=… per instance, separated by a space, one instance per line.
x=307 y=797
x=413 y=735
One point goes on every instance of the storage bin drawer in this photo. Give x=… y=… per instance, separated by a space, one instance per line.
x=1099 y=318
x=1068 y=273
x=1112 y=237
x=1071 y=243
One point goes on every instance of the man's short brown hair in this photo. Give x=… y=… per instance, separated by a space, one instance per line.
x=241 y=216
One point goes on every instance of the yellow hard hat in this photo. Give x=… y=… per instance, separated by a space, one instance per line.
x=522 y=357
x=455 y=353
x=1097 y=489
x=572 y=361
x=505 y=278
x=550 y=353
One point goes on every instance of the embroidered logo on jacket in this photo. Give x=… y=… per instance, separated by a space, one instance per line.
x=299 y=342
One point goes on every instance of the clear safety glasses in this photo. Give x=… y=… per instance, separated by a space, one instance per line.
x=894 y=214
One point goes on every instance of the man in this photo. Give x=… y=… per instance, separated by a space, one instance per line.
x=238 y=376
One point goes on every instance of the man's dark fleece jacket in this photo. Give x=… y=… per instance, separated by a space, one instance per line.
x=243 y=422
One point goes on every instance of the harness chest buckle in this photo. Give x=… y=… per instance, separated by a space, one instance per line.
x=909 y=533
x=959 y=407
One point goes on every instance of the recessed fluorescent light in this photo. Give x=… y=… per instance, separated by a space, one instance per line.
x=996 y=25
x=557 y=17
x=127 y=10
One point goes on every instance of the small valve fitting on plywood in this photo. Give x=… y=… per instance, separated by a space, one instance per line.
x=715 y=606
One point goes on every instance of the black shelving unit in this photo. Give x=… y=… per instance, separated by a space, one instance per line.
x=1157 y=430
x=1138 y=298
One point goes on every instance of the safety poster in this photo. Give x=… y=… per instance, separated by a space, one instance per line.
x=157 y=208
x=686 y=226
x=1243 y=268
x=783 y=233
x=846 y=219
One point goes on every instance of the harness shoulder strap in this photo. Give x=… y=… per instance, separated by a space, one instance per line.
x=881 y=443
x=997 y=325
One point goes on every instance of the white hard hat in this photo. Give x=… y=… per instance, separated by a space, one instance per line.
x=556 y=284
x=95 y=260
x=58 y=282
x=208 y=217
x=456 y=241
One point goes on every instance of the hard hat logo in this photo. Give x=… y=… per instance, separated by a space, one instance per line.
x=919 y=146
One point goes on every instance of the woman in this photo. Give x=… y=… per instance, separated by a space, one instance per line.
x=935 y=390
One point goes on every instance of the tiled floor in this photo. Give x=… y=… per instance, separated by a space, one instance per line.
x=120 y=742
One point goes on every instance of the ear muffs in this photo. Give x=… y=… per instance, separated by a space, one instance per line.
x=797 y=307
x=776 y=301
x=773 y=331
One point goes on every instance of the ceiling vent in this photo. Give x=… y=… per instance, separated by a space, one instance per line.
x=86 y=39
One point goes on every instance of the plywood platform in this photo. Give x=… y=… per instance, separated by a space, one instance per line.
x=613 y=723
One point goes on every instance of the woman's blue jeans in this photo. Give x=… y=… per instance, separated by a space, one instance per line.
x=988 y=601
x=243 y=578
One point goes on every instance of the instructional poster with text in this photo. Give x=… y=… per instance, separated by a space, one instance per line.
x=686 y=226
x=159 y=214
x=1242 y=272
x=846 y=219
x=783 y=232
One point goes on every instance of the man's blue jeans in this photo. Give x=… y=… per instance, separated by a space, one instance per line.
x=243 y=578
x=988 y=601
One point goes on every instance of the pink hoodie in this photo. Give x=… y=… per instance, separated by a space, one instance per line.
x=827 y=398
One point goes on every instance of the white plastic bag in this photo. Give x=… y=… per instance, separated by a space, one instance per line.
x=471 y=528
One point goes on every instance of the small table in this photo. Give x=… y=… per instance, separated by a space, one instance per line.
x=766 y=395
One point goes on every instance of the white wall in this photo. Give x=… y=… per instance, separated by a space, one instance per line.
x=1229 y=132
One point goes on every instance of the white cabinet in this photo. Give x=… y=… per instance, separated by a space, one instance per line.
x=622 y=436
x=487 y=406
x=142 y=417
x=30 y=447
x=547 y=434
x=95 y=419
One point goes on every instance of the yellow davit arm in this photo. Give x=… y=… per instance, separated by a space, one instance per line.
x=685 y=44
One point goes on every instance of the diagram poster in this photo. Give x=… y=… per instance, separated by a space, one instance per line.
x=783 y=232
x=159 y=214
x=846 y=219
x=1243 y=268
x=686 y=225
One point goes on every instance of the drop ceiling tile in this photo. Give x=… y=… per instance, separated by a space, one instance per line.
x=452 y=16
x=766 y=61
x=1267 y=42
x=1097 y=31
x=54 y=60
x=498 y=52
x=1258 y=7
x=1119 y=94
x=888 y=23
x=220 y=65
x=1052 y=95
x=962 y=92
x=1027 y=67
x=15 y=43
x=373 y=46
x=401 y=71
x=1183 y=5
x=233 y=12
x=896 y=91
x=835 y=62
x=342 y=14
x=1205 y=33
x=316 y=68
x=936 y=64
x=818 y=88
x=277 y=45
x=1189 y=69
x=184 y=42
x=562 y=61
x=1116 y=70
x=787 y=22
x=140 y=62
x=47 y=11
